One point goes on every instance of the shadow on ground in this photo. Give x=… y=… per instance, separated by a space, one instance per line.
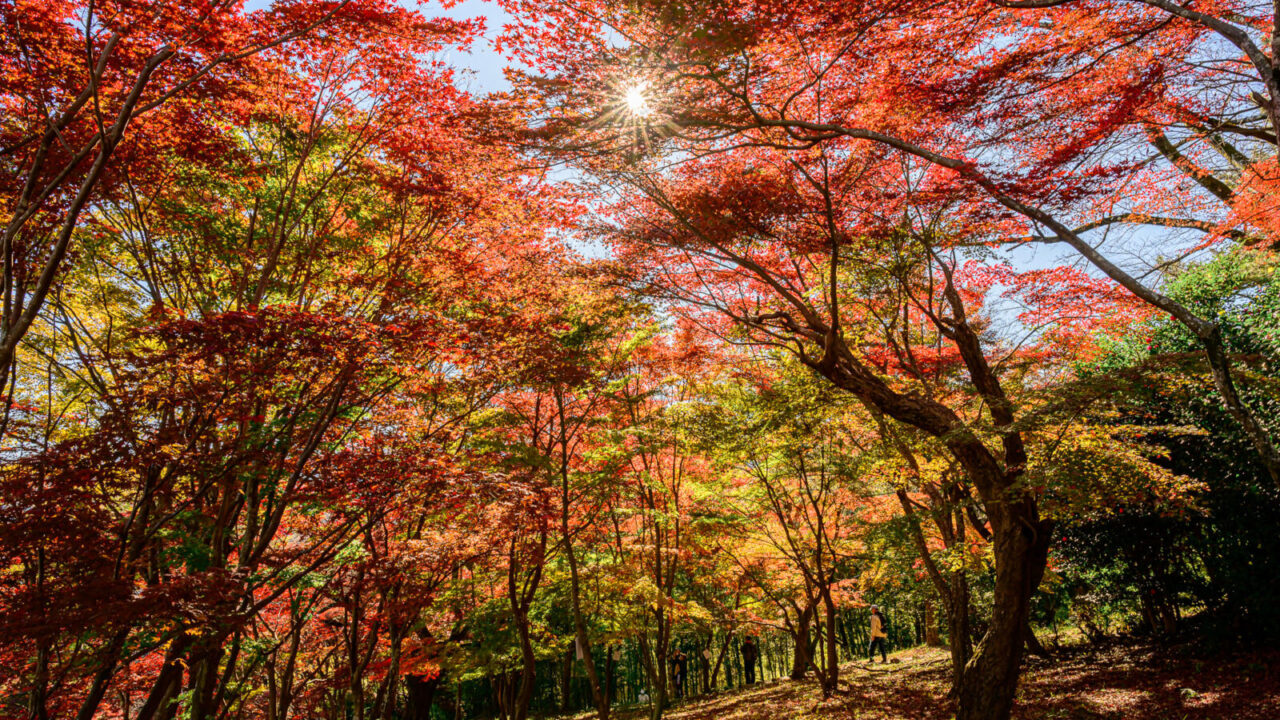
x=1118 y=682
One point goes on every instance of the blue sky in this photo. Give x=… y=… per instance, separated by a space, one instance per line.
x=483 y=64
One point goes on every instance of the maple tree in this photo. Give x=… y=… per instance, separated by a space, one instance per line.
x=1032 y=113
x=96 y=94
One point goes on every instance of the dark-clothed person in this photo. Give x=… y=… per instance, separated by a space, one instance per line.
x=750 y=654
x=680 y=664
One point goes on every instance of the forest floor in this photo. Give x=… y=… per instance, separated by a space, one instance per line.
x=1123 y=681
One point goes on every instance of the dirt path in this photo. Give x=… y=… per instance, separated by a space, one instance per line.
x=1121 y=682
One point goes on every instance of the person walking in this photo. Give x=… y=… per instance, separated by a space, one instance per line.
x=878 y=636
x=679 y=663
x=750 y=654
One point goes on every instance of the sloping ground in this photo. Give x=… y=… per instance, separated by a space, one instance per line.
x=1122 y=682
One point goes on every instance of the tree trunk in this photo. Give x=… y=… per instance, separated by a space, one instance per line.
x=1149 y=613
x=580 y=632
x=1220 y=365
x=520 y=708
x=566 y=676
x=830 y=674
x=520 y=594
x=1034 y=646
x=38 y=708
x=932 y=637
x=991 y=675
x=106 y=670
x=161 y=701
x=658 y=677
x=204 y=660
x=610 y=681
x=504 y=694
x=958 y=628
x=800 y=658
x=575 y=591
x=421 y=695
x=1169 y=618
x=720 y=660
x=704 y=663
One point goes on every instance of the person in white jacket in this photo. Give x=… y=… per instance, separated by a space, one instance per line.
x=878 y=636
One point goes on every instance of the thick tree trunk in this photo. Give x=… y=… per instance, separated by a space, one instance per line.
x=720 y=659
x=661 y=658
x=421 y=695
x=991 y=675
x=704 y=663
x=1169 y=617
x=800 y=657
x=520 y=594
x=575 y=589
x=659 y=678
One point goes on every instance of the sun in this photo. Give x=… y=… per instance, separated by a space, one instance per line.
x=636 y=98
